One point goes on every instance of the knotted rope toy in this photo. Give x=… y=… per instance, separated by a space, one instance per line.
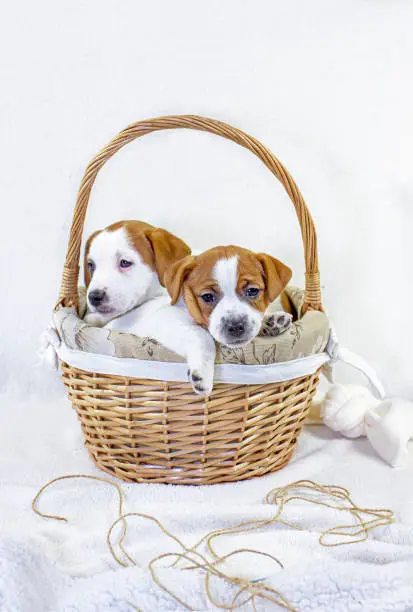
x=353 y=411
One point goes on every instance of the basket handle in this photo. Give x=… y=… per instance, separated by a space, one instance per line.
x=69 y=291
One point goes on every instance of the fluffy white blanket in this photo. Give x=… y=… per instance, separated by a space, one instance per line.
x=51 y=566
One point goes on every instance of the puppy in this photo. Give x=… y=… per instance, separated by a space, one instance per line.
x=125 y=267
x=227 y=290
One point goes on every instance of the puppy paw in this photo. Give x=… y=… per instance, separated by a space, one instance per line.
x=95 y=319
x=201 y=379
x=276 y=324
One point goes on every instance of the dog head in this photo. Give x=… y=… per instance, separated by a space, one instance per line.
x=125 y=264
x=227 y=290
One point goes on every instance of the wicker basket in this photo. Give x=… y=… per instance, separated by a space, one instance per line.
x=155 y=431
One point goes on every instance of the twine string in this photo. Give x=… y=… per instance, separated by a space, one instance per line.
x=351 y=532
x=247 y=590
x=65 y=520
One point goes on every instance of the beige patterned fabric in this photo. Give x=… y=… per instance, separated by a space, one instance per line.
x=306 y=336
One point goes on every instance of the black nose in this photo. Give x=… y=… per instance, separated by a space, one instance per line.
x=236 y=327
x=96 y=297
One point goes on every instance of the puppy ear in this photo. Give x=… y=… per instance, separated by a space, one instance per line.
x=277 y=275
x=86 y=273
x=176 y=274
x=167 y=250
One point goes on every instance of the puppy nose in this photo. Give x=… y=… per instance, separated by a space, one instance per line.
x=96 y=297
x=236 y=327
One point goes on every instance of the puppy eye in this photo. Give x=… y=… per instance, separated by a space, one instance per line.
x=252 y=292
x=124 y=263
x=208 y=298
x=91 y=266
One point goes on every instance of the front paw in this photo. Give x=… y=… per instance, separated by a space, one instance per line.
x=275 y=324
x=202 y=379
x=95 y=319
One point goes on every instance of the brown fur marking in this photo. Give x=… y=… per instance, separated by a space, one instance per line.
x=192 y=276
x=157 y=247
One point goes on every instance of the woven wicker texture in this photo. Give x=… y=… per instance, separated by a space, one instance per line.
x=146 y=431
x=153 y=431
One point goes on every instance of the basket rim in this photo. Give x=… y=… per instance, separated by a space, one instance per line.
x=231 y=373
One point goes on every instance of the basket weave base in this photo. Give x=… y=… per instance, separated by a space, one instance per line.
x=152 y=431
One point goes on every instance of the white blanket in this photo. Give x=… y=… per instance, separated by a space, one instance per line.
x=51 y=566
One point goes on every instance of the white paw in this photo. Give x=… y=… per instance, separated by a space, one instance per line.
x=201 y=378
x=276 y=323
x=95 y=319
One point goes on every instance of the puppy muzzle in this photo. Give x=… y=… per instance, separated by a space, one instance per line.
x=99 y=300
x=236 y=331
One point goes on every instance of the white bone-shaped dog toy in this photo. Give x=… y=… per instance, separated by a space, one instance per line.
x=353 y=411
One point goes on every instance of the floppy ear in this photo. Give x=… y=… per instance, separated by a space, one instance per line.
x=276 y=275
x=167 y=249
x=176 y=274
x=86 y=274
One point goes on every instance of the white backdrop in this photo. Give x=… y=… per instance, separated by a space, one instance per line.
x=327 y=85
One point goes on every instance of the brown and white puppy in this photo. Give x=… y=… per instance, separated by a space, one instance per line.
x=228 y=290
x=125 y=268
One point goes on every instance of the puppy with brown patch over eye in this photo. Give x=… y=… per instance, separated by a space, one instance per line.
x=125 y=267
x=228 y=290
